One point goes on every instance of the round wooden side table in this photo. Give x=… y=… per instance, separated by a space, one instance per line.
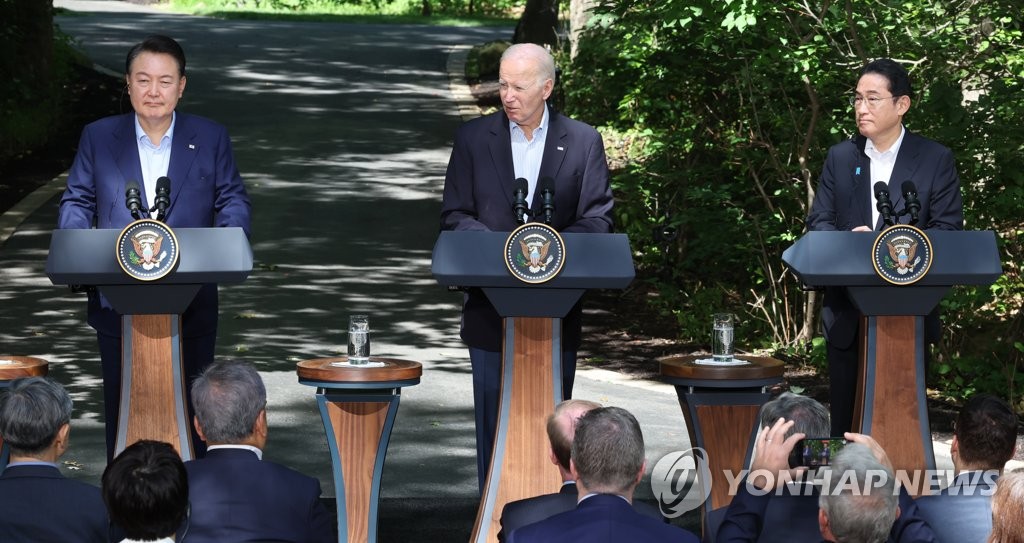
x=721 y=405
x=358 y=405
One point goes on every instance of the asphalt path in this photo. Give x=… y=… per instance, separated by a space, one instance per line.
x=342 y=133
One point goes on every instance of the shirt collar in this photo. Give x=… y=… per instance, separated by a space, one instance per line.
x=513 y=127
x=140 y=134
x=871 y=151
x=259 y=453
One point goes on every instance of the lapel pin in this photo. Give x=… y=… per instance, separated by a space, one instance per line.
x=191 y=146
x=560 y=148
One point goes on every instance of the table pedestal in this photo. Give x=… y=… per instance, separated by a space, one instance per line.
x=721 y=405
x=358 y=406
x=11 y=368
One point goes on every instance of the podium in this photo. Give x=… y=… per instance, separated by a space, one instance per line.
x=891 y=405
x=152 y=404
x=531 y=383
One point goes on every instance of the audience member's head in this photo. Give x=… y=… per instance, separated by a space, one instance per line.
x=230 y=404
x=859 y=502
x=562 y=427
x=608 y=452
x=1008 y=509
x=35 y=415
x=810 y=417
x=146 y=490
x=985 y=435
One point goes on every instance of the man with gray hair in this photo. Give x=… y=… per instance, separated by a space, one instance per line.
x=859 y=502
x=527 y=156
x=607 y=462
x=37 y=503
x=235 y=495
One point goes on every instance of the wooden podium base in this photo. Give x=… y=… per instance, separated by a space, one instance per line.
x=152 y=384
x=531 y=386
x=891 y=403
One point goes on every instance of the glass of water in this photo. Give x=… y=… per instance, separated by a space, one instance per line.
x=358 y=340
x=722 y=336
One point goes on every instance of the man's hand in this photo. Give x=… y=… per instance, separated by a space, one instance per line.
x=772 y=456
x=870 y=443
x=861 y=229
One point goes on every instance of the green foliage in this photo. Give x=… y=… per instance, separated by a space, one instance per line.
x=449 y=12
x=719 y=115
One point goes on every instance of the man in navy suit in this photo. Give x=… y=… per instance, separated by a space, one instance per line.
x=884 y=150
x=528 y=140
x=37 y=504
x=984 y=439
x=235 y=494
x=206 y=190
x=608 y=463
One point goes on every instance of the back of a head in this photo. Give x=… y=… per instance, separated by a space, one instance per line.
x=986 y=432
x=608 y=450
x=228 y=397
x=810 y=417
x=859 y=496
x=561 y=426
x=32 y=411
x=899 y=79
x=146 y=490
x=1008 y=509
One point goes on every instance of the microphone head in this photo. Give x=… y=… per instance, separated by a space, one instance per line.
x=546 y=184
x=163 y=184
x=881 y=187
x=909 y=188
x=522 y=185
x=133 y=187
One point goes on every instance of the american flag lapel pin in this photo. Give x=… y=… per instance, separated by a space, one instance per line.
x=191 y=146
x=560 y=148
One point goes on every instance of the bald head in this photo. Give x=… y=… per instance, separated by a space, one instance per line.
x=562 y=427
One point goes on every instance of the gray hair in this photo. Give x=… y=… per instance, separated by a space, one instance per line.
x=543 y=61
x=32 y=411
x=812 y=419
x=228 y=397
x=859 y=496
x=608 y=450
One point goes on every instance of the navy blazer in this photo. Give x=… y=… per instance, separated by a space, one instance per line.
x=237 y=497
x=206 y=191
x=529 y=510
x=747 y=519
x=843 y=202
x=39 y=505
x=598 y=519
x=962 y=512
x=478 y=195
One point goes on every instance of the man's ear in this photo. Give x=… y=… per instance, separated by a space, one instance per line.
x=643 y=468
x=552 y=456
x=199 y=428
x=572 y=470
x=826 y=532
x=61 y=439
x=260 y=427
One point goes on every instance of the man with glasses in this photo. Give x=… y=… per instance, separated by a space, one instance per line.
x=883 y=150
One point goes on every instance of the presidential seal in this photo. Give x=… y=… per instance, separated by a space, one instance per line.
x=902 y=254
x=534 y=253
x=147 y=250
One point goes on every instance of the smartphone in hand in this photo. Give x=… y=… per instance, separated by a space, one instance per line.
x=815 y=452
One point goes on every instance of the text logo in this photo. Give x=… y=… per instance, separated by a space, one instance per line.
x=681 y=481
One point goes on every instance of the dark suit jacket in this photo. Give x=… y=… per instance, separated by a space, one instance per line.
x=747 y=520
x=963 y=511
x=206 y=191
x=478 y=195
x=39 y=505
x=236 y=497
x=527 y=511
x=597 y=519
x=843 y=202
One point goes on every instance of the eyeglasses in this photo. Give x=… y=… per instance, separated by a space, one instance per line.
x=872 y=101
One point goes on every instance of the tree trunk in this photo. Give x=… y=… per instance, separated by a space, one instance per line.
x=30 y=37
x=579 y=14
x=538 y=23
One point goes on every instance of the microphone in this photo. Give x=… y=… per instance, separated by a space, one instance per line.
x=520 y=207
x=913 y=206
x=884 y=206
x=163 y=198
x=133 y=199
x=547 y=195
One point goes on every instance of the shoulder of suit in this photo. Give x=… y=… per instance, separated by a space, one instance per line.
x=196 y=122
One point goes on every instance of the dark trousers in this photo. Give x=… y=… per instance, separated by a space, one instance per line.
x=487 y=390
x=196 y=354
x=842 y=386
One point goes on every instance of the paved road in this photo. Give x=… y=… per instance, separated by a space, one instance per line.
x=342 y=133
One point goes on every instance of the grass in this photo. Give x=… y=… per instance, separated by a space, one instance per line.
x=388 y=12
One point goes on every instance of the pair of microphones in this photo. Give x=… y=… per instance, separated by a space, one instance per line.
x=522 y=211
x=884 y=204
x=133 y=199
